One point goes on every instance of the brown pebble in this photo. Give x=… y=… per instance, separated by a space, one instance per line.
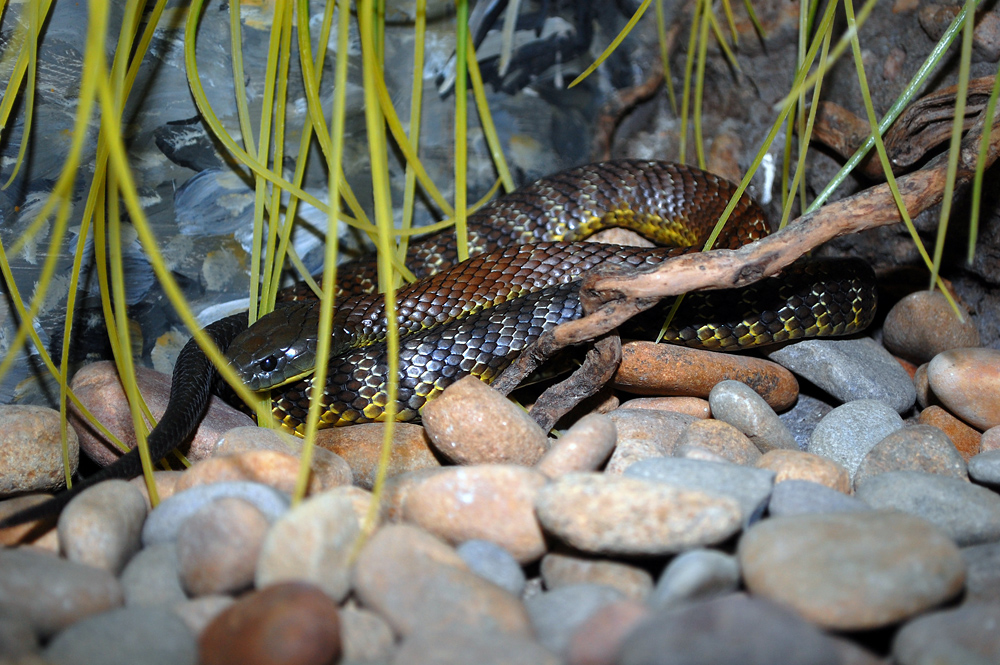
x=217 y=547
x=471 y=423
x=599 y=639
x=644 y=433
x=722 y=439
x=584 y=447
x=965 y=438
x=102 y=526
x=910 y=368
x=366 y=636
x=967 y=381
x=279 y=470
x=361 y=446
x=923 y=324
x=799 y=465
x=648 y=368
x=483 y=502
x=918 y=448
x=29 y=532
x=31 y=456
x=288 y=624
x=559 y=570
x=603 y=514
x=330 y=469
x=990 y=440
x=894 y=62
x=692 y=406
x=417 y=583
x=697 y=452
x=924 y=396
x=98 y=387
x=166 y=484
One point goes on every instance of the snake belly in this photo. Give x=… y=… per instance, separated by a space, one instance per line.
x=475 y=317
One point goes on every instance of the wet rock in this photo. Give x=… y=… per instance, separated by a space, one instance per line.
x=850 y=370
x=244 y=633
x=164 y=522
x=52 y=593
x=584 y=447
x=643 y=433
x=920 y=448
x=557 y=614
x=562 y=570
x=493 y=502
x=102 y=526
x=798 y=465
x=31 y=449
x=696 y=575
x=923 y=324
x=313 y=543
x=750 y=487
x=217 y=547
x=361 y=447
x=967 y=513
x=740 y=406
x=731 y=629
x=417 y=583
x=152 y=635
x=790 y=560
x=965 y=439
x=850 y=431
x=614 y=515
x=470 y=423
x=99 y=389
x=493 y=563
x=722 y=439
x=799 y=497
x=967 y=381
x=664 y=369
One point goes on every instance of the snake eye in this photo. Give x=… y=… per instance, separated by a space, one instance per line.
x=268 y=364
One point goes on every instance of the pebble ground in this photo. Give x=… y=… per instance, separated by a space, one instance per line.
x=681 y=521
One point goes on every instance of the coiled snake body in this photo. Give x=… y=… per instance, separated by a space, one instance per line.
x=475 y=317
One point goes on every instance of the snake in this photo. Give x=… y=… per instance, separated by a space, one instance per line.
x=474 y=317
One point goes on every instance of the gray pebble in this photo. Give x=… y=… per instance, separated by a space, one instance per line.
x=17 y=639
x=366 y=637
x=163 y=522
x=851 y=430
x=696 y=575
x=152 y=577
x=445 y=646
x=52 y=593
x=557 y=614
x=917 y=448
x=798 y=497
x=101 y=526
x=739 y=405
x=218 y=547
x=731 y=629
x=984 y=468
x=750 y=487
x=126 y=636
x=850 y=369
x=965 y=635
x=802 y=418
x=982 y=573
x=644 y=433
x=197 y=613
x=968 y=513
x=493 y=563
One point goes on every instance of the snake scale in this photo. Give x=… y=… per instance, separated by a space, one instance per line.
x=474 y=317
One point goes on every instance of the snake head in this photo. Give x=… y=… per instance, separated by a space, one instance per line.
x=279 y=348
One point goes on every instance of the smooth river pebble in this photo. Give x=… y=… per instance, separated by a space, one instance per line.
x=740 y=406
x=919 y=448
x=967 y=381
x=851 y=430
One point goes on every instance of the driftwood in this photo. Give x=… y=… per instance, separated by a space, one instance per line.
x=611 y=298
